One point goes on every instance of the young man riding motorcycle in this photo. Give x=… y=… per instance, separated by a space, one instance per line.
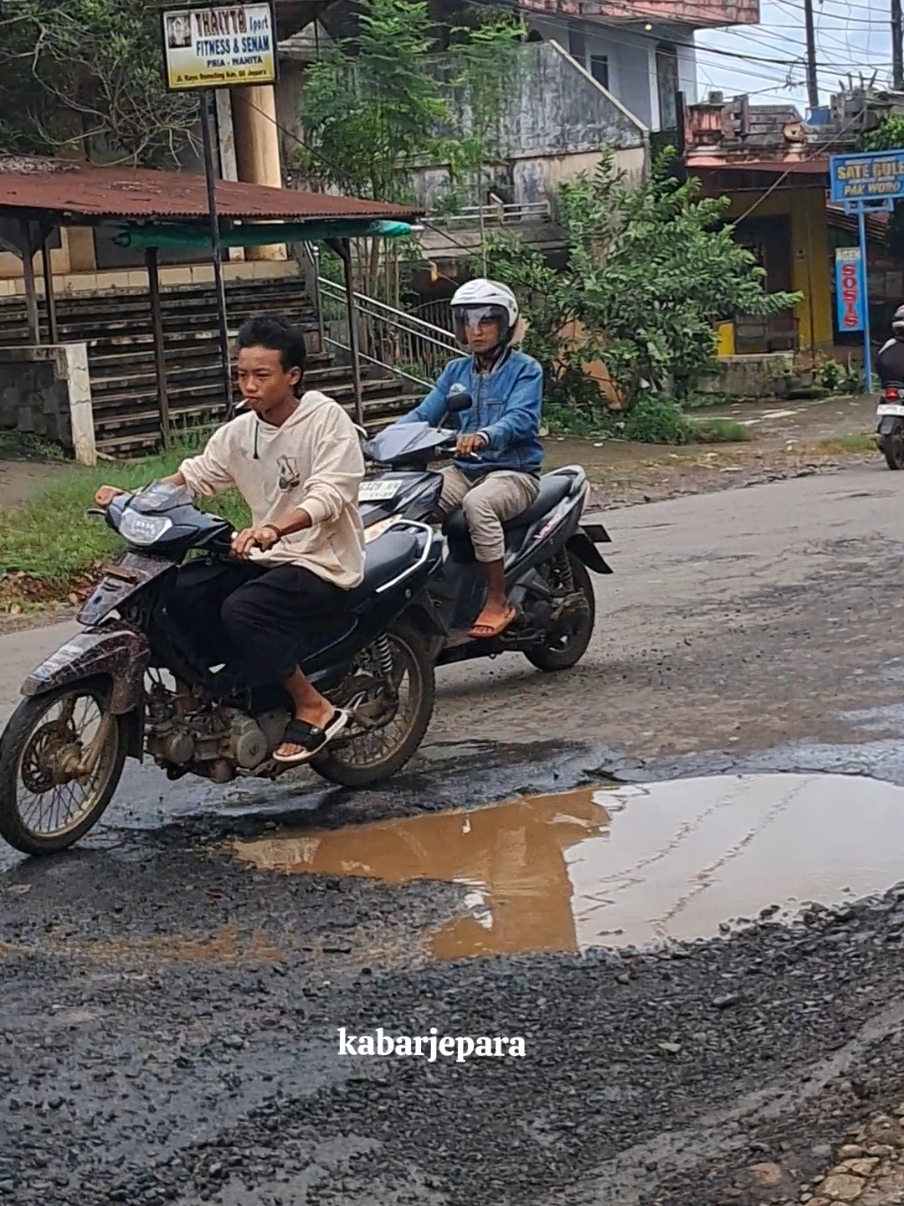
x=890 y=359
x=496 y=470
x=296 y=460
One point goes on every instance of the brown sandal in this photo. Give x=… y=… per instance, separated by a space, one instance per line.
x=486 y=632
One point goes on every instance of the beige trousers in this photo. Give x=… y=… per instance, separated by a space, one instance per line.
x=487 y=504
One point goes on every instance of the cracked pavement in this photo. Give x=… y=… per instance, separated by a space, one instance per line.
x=168 y=1014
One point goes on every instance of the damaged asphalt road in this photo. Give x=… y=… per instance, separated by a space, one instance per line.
x=168 y=1014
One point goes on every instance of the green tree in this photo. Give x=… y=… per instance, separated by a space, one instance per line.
x=371 y=115
x=85 y=77
x=370 y=112
x=378 y=106
x=889 y=136
x=485 y=64
x=651 y=267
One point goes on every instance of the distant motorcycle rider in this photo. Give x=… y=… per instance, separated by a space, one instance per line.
x=890 y=360
x=496 y=471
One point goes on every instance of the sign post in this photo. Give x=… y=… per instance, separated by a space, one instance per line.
x=865 y=183
x=218 y=47
x=219 y=283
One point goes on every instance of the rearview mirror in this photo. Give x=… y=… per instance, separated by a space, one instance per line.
x=458 y=402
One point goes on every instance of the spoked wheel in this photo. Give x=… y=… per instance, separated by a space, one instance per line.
x=387 y=725
x=568 y=643
x=893 y=445
x=61 y=758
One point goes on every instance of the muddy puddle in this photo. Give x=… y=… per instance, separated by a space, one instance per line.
x=623 y=864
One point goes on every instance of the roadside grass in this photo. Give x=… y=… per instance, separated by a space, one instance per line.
x=719 y=431
x=49 y=547
x=861 y=443
x=23 y=446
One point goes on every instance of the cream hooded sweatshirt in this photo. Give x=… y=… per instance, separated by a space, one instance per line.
x=312 y=462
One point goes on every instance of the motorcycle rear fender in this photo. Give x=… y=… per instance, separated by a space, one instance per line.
x=888 y=424
x=582 y=546
x=118 y=654
x=596 y=532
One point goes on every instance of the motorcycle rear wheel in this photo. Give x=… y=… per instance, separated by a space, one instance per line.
x=43 y=733
x=563 y=652
x=893 y=446
x=366 y=758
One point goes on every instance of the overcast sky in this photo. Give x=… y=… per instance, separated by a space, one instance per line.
x=850 y=37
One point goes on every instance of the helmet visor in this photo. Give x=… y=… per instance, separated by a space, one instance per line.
x=472 y=318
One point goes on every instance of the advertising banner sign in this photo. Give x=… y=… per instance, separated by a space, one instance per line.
x=219 y=47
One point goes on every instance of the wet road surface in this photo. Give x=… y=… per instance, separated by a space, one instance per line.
x=169 y=1010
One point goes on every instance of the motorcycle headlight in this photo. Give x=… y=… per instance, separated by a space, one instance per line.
x=143 y=529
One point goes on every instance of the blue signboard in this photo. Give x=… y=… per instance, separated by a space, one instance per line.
x=873 y=176
x=862 y=183
x=850 y=295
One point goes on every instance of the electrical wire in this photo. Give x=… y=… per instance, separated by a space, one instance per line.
x=317 y=154
x=600 y=25
x=806 y=159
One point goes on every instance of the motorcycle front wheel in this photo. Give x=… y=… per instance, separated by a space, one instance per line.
x=564 y=650
x=61 y=759
x=391 y=725
x=893 y=445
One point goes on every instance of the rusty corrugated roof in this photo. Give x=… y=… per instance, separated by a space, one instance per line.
x=74 y=191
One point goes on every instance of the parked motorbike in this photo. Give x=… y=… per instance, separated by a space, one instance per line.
x=890 y=413
x=548 y=551
x=109 y=694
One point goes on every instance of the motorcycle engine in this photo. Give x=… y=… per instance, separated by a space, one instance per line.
x=216 y=742
x=251 y=739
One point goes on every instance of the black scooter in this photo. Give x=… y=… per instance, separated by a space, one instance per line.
x=890 y=429
x=109 y=693
x=548 y=551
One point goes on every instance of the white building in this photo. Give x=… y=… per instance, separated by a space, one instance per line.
x=642 y=53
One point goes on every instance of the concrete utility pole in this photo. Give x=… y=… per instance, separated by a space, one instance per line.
x=897 y=55
x=812 y=80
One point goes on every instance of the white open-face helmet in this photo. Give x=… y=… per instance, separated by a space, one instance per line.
x=480 y=301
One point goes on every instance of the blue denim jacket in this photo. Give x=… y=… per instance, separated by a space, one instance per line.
x=506 y=409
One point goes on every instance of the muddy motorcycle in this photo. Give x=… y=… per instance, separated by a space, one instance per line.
x=109 y=693
x=890 y=413
x=549 y=551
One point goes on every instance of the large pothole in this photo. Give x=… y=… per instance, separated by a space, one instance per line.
x=623 y=864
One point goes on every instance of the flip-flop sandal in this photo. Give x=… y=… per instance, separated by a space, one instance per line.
x=311 y=738
x=484 y=632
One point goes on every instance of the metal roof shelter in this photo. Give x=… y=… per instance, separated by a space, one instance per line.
x=81 y=194
x=159 y=209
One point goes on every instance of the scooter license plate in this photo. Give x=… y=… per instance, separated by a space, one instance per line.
x=378 y=490
x=890 y=408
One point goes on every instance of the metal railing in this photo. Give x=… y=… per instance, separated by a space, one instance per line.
x=408 y=346
x=496 y=213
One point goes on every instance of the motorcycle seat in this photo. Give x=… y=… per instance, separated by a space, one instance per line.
x=553 y=488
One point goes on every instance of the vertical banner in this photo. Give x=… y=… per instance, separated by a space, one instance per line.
x=850 y=293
